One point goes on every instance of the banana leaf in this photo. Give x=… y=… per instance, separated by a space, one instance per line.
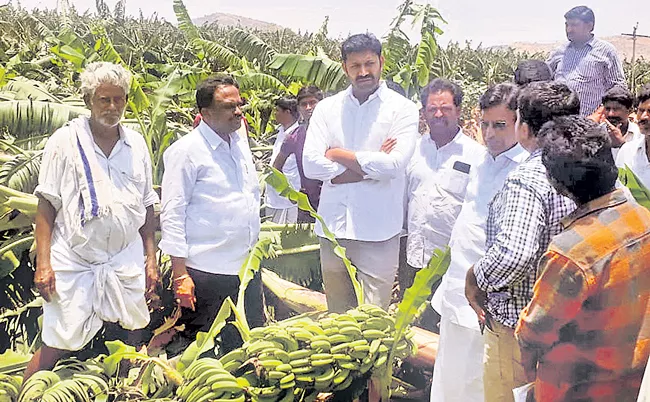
x=25 y=89
x=640 y=193
x=205 y=340
x=21 y=172
x=279 y=182
x=413 y=302
x=323 y=72
x=25 y=118
x=262 y=249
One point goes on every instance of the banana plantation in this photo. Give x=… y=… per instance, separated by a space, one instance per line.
x=304 y=353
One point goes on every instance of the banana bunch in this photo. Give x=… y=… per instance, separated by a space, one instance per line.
x=302 y=356
x=9 y=387
x=207 y=380
x=48 y=386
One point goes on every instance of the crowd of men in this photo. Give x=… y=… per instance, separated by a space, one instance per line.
x=547 y=282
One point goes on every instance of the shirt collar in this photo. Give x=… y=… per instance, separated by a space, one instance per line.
x=291 y=127
x=616 y=197
x=379 y=93
x=516 y=154
x=589 y=43
x=456 y=140
x=213 y=139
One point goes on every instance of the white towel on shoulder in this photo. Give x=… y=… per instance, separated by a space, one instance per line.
x=93 y=184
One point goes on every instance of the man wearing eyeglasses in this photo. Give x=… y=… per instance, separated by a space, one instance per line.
x=437 y=176
x=522 y=219
x=210 y=211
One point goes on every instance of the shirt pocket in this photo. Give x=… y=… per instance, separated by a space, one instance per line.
x=134 y=178
x=455 y=183
x=589 y=69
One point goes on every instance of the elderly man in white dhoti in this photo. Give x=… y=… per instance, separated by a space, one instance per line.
x=95 y=223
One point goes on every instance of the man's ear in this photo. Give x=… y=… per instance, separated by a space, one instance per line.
x=87 y=101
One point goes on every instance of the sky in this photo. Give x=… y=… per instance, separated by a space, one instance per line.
x=496 y=22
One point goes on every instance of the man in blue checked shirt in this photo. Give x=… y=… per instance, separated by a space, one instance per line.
x=588 y=65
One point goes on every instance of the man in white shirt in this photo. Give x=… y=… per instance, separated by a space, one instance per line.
x=459 y=363
x=437 y=175
x=614 y=115
x=279 y=208
x=210 y=209
x=94 y=224
x=359 y=143
x=635 y=154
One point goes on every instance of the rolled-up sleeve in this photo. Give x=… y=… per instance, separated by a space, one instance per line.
x=382 y=166
x=314 y=163
x=51 y=172
x=177 y=184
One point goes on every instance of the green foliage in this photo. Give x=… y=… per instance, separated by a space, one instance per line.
x=640 y=193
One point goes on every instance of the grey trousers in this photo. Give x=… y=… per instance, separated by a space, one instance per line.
x=376 y=264
x=283 y=216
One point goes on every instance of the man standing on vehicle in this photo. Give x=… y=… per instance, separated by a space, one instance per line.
x=588 y=65
x=359 y=143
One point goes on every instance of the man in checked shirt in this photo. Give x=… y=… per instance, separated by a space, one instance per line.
x=522 y=219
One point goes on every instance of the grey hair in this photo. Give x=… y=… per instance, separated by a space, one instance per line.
x=102 y=72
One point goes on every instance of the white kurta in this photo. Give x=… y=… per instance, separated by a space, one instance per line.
x=98 y=267
x=435 y=193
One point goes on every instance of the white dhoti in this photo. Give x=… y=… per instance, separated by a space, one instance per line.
x=87 y=295
x=458 y=373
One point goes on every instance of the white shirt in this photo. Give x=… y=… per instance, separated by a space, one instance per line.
x=633 y=154
x=210 y=201
x=633 y=133
x=290 y=170
x=435 y=193
x=99 y=266
x=372 y=209
x=468 y=235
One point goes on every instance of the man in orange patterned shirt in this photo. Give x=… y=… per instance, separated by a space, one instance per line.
x=585 y=334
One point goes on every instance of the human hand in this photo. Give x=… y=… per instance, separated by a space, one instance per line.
x=184 y=291
x=45 y=281
x=598 y=115
x=476 y=297
x=152 y=283
x=615 y=134
x=388 y=145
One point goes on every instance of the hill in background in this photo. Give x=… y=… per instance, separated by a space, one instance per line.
x=623 y=45
x=231 y=20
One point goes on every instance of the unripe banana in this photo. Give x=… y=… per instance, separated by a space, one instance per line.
x=300 y=354
x=340 y=375
x=270 y=364
x=285 y=367
x=371 y=334
x=320 y=345
x=299 y=363
x=340 y=347
x=276 y=375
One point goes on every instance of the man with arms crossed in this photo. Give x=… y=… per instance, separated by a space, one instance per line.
x=458 y=375
x=358 y=143
x=94 y=224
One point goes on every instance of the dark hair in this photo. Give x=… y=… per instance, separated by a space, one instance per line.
x=288 y=103
x=500 y=94
x=532 y=70
x=644 y=94
x=360 y=43
x=442 y=85
x=396 y=87
x=540 y=102
x=309 y=91
x=582 y=13
x=577 y=155
x=206 y=88
x=620 y=95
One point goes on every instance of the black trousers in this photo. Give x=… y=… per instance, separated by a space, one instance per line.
x=211 y=290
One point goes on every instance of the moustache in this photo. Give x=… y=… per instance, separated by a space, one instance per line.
x=365 y=77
